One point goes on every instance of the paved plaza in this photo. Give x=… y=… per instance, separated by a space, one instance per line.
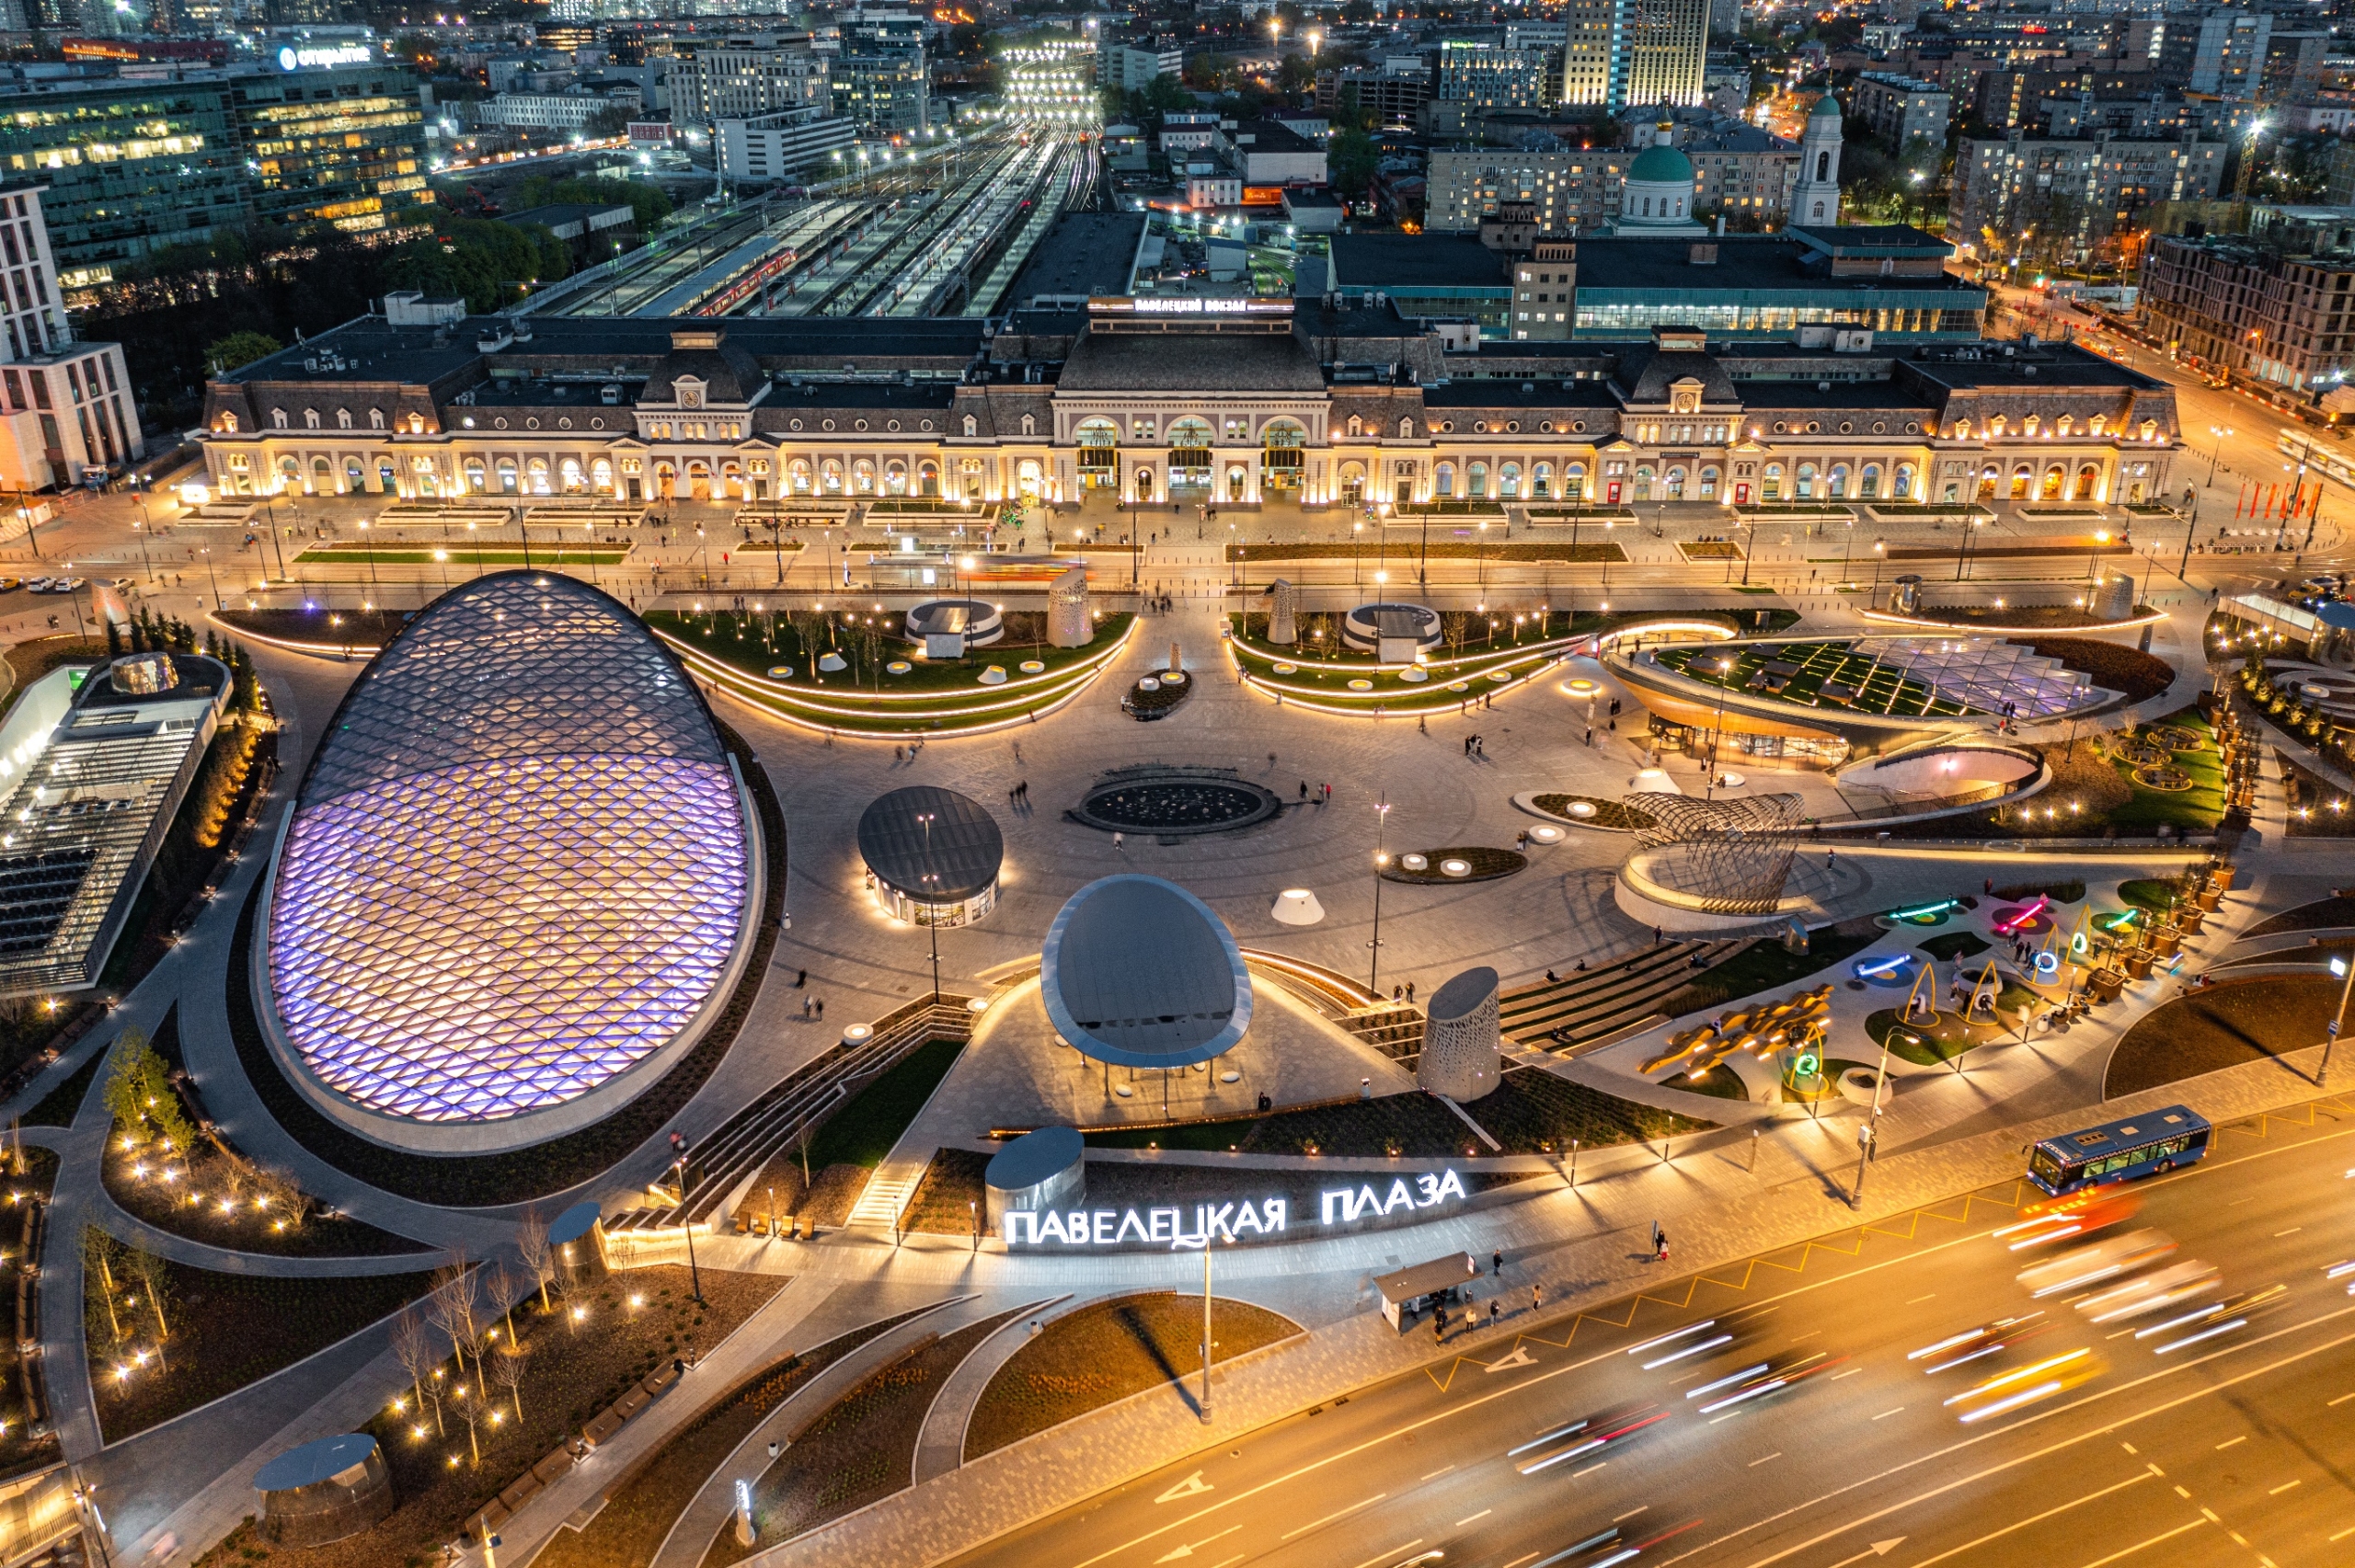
x=1768 y=1174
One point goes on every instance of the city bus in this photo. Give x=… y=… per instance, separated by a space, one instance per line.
x=2150 y=1144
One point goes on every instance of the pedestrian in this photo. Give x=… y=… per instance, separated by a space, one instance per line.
x=1657 y=939
x=1303 y=792
x=1829 y=856
x=800 y=979
x=1657 y=1234
x=1117 y=843
x=1590 y=737
x=805 y=1010
x=1493 y=1311
x=1990 y=887
x=1551 y=977
x=1660 y=1249
x=1328 y=793
x=1439 y=1326
x=1271 y=758
x=1410 y=990
x=1536 y=1299
x=821 y=1010
x=1496 y=1261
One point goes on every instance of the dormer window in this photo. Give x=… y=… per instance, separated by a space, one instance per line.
x=375 y=419
x=1029 y=424
x=278 y=418
x=1357 y=426
x=973 y=426
x=343 y=418
x=417 y=424
x=228 y=424
x=1406 y=429
x=310 y=418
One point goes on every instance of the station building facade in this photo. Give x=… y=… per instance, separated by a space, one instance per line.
x=1333 y=403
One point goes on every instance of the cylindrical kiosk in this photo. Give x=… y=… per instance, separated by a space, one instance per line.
x=1038 y=1171
x=576 y=1245
x=1461 y=1037
x=323 y=1491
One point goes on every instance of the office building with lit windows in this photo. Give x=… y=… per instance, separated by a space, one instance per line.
x=134 y=167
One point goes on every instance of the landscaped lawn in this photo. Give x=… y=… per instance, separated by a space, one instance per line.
x=2225 y=1024
x=230 y=1330
x=1088 y=1358
x=459 y=554
x=760 y=641
x=1874 y=688
x=862 y=1451
x=2194 y=810
x=863 y=1131
x=1764 y=966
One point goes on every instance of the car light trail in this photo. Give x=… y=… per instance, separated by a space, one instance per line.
x=1690 y=1350
x=1672 y=1336
x=1726 y=1382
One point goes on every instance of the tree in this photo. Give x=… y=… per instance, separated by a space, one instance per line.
x=414 y=1350
x=140 y=1096
x=508 y=1368
x=279 y=1192
x=100 y=1322
x=225 y=354
x=450 y=1308
x=146 y=1270
x=532 y=1242
x=609 y=121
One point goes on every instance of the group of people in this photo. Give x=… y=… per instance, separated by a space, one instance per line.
x=1475 y=745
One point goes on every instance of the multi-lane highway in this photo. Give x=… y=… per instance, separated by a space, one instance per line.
x=2222 y=1439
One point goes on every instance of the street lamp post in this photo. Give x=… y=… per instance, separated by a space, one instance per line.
x=1709 y=785
x=1381 y=858
x=2216 y=453
x=206 y=551
x=2346 y=969
x=932 y=887
x=695 y=1276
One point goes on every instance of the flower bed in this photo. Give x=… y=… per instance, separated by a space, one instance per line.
x=1616 y=816
x=2225 y=1024
x=1481 y=865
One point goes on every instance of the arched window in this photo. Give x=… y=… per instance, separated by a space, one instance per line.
x=862 y=474
x=536 y=472
x=2022 y=476
x=569 y=475
x=1676 y=483
x=1839 y=481
x=895 y=477
x=927 y=478
x=1574 y=482
x=1478 y=483
x=601 y=476
x=322 y=478
x=353 y=480
x=1353 y=482
x=1771 y=483
x=1807 y=481
x=478 y=477
x=2056 y=479
x=830 y=476
x=798 y=472
x=1443 y=480
x=1903 y=487
x=1868 y=482
x=1708 y=484
x=1541 y=481
x=1644 y=482
x=1509 y=480
x=507 y=476
x=2088 y=481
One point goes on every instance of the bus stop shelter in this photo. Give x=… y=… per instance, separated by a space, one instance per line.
x=1412 y=1288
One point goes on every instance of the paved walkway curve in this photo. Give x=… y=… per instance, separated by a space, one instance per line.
x=127 y=1227
x=941 y=1447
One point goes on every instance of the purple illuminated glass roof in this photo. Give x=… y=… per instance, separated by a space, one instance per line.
x=517 y=867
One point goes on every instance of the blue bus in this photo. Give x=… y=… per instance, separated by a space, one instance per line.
x=2152 y=1143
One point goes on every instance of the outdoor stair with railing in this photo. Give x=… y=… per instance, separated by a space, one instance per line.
x=1580 y=1012
x=778 y=1119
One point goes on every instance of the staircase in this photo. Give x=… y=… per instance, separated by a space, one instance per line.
x=1578 y=1011
x=885 y=1196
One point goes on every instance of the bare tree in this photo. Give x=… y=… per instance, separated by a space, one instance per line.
x=106 y=1327
x=279 y=1195
x=147 y=1269
x=450 y=1308
x=506 y=1284
x=508 y=1368
x=414 y=1350
x=532 y=1247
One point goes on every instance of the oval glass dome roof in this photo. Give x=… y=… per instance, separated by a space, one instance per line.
x=1139 y=972
x=518 y=868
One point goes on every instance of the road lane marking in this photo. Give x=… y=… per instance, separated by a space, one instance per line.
x=1481 y=1514
x=2232 y=1442
x=1647 y=1508
x=1441 y=1471
x=1182 y=1553
x=2182 y=1493
x=2033 y=1519
x=2344 y=1534
x=1919 y=1299
x=2115 y=1556
x=2291 y=1232
x=1328 y=1518
x=1775 y=1455
x=1849 y=1373
x=1192 y=1487
x=1588 y=1471
x=1393 y=1554
x=1887 y=1414
x=2342 y=1399
x=2280 y=1489
x=2025 y=1420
